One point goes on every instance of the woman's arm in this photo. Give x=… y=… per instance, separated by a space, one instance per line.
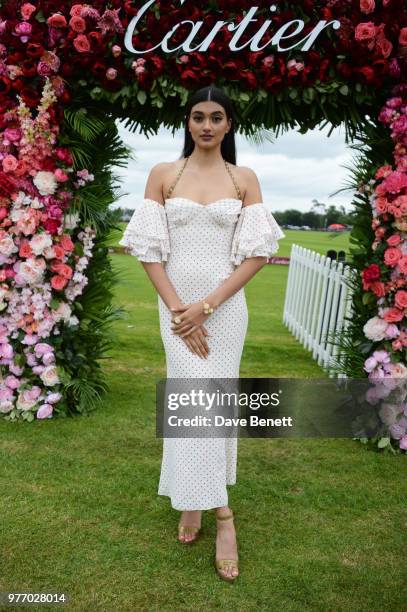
x=155 y=270
x=249 y=267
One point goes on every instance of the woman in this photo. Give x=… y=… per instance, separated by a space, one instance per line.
x=201 y=233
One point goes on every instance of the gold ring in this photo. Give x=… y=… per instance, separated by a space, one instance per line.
x=177 y=320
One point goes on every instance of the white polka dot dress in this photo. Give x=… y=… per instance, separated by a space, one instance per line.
x=200 y=246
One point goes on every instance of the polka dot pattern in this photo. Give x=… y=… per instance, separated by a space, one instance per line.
x=199 y=245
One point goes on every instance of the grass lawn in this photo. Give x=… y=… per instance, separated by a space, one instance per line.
x=319 y=522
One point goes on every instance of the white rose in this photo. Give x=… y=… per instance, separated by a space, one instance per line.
x=375 y=329
x=71 y=220
x=39 y=242
x=32 y=270
x=62 y=312
x=6 y=406
x=7 y=246
x=35 y=203
x=45 y=182
x=24 y=402
x=49 y=253
x=49 y=376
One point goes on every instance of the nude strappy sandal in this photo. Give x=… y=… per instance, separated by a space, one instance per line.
x=224 y=564
x=188 y=529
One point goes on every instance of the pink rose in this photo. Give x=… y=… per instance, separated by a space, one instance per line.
x=44 y=411
x=10 y=163
x=400 y=299
x=27 y=10
x=392 y=331
x=66 y=242
x=381 y=205
x=60 y=175
x=383 y=171
x=58 y=282
x=116 y=50
x=367 y=6
x=44 y=69
x=403 y=440
x=11 y=135
x=111 y=74
x=395 y=181
x=395 y=211
x=81 y=43
x=365 y=31
x=56 y=21
x=391 y=315
x=268 y=61
x=23 y=29
x=392 y=256
x=77 y=24
x=393 y=240
x=76 y=10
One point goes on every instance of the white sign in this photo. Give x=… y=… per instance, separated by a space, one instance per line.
x=288 y=30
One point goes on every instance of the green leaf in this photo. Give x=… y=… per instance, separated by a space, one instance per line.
x=344 y=90
x=40 y=16
x=141 y=96
x=54 y=303
x=383 y=442
x=368 y=298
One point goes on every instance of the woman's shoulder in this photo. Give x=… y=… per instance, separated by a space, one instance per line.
x=244 y=171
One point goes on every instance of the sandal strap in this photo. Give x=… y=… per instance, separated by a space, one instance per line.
x=225 y=518
x=188 y=529
x=224 y=563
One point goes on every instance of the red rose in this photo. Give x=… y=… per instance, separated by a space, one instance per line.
x=365 y=31
x=378 y=288
x=403 y=36
x=30 y=96
x=51 y=225
x=29 y=68
x=5 y=85
x=81 y=43
x=57 y=21
x=34 y=49
x=250 y=79
x=367 y=73
x=371 y=273
x=384 y=47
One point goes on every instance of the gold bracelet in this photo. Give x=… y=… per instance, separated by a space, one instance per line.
x=207 y=308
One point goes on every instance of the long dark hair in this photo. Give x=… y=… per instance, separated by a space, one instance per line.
x=228 y=146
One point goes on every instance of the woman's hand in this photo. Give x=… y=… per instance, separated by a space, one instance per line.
x=191 y=316
x=197 y=343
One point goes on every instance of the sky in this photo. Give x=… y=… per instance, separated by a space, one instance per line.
x=293 y=170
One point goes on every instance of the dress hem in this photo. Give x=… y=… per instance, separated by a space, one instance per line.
x=204 y=507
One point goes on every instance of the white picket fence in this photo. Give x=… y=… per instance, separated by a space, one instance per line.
x=317 y=299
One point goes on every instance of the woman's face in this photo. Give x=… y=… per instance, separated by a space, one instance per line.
x=208 y=124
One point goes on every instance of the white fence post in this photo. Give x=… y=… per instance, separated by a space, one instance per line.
x=317 y=300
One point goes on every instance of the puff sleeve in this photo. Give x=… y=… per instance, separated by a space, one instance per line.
x=256 y=234
x=146 y=235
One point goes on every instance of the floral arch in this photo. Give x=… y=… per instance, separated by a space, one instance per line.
x=68 y=71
